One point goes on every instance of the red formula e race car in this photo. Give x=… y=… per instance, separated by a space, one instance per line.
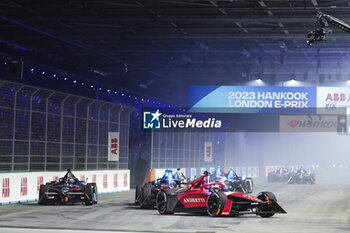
x=214 y=198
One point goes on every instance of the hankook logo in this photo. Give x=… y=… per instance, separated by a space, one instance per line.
x=194 y=200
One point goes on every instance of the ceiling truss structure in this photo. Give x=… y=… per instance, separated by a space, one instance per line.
x=160 y=47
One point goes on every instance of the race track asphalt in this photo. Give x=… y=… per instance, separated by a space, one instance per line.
x=311 y=208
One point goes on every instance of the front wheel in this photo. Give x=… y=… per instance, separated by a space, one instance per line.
x=162 y=203
x=267 y=197
x=216 y=203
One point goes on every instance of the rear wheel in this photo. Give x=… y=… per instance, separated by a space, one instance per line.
x=95 y=194
x=42 y=195
x=137 y=194
x=162 y=203
x=216 y=203
x=267 y=197
x=89 y=194
x=146 y=190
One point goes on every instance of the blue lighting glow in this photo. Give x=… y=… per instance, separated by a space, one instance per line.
x=110 y=91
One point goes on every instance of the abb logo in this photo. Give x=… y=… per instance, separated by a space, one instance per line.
x=5 y=187
x=336 y=97
x=125 y=179
x=55 y=178
x=40 y=181
x=94 y=178
x=114 y=146
x=24 y=189
x=115 y=181
x=208 y=151
x=105 y=183
x=82 y=177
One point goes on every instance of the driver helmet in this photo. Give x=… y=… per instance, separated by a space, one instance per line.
x=207 y=179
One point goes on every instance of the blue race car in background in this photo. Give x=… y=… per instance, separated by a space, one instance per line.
x=145 y=195
x=68 y=189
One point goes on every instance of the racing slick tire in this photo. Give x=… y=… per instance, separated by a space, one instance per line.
x=266 y=196
x=216 y=203
x=89 y=194
x=95 y=193
x=162 y=203
x=42 y=197
x=137 y=194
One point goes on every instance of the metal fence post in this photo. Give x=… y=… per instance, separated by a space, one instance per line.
x=46 y=127
x=14 y=129
x=61 y=131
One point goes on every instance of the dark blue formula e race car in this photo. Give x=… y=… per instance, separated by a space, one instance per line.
x=145 y=195
x=68 y=189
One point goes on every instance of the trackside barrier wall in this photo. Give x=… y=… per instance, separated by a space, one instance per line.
x=23 y=187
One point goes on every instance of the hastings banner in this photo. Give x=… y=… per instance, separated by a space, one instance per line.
x=113 y=146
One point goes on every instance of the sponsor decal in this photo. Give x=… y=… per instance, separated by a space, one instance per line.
x=251 y=198
x=329 y=99
x=194 y=200
x=125 y=179
x=24 y=188
x=5 y=187
x=314 y=123
x=113 y=146
x=115 y=181
x=40 y=181
x=105 y=182
x=208 y=151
